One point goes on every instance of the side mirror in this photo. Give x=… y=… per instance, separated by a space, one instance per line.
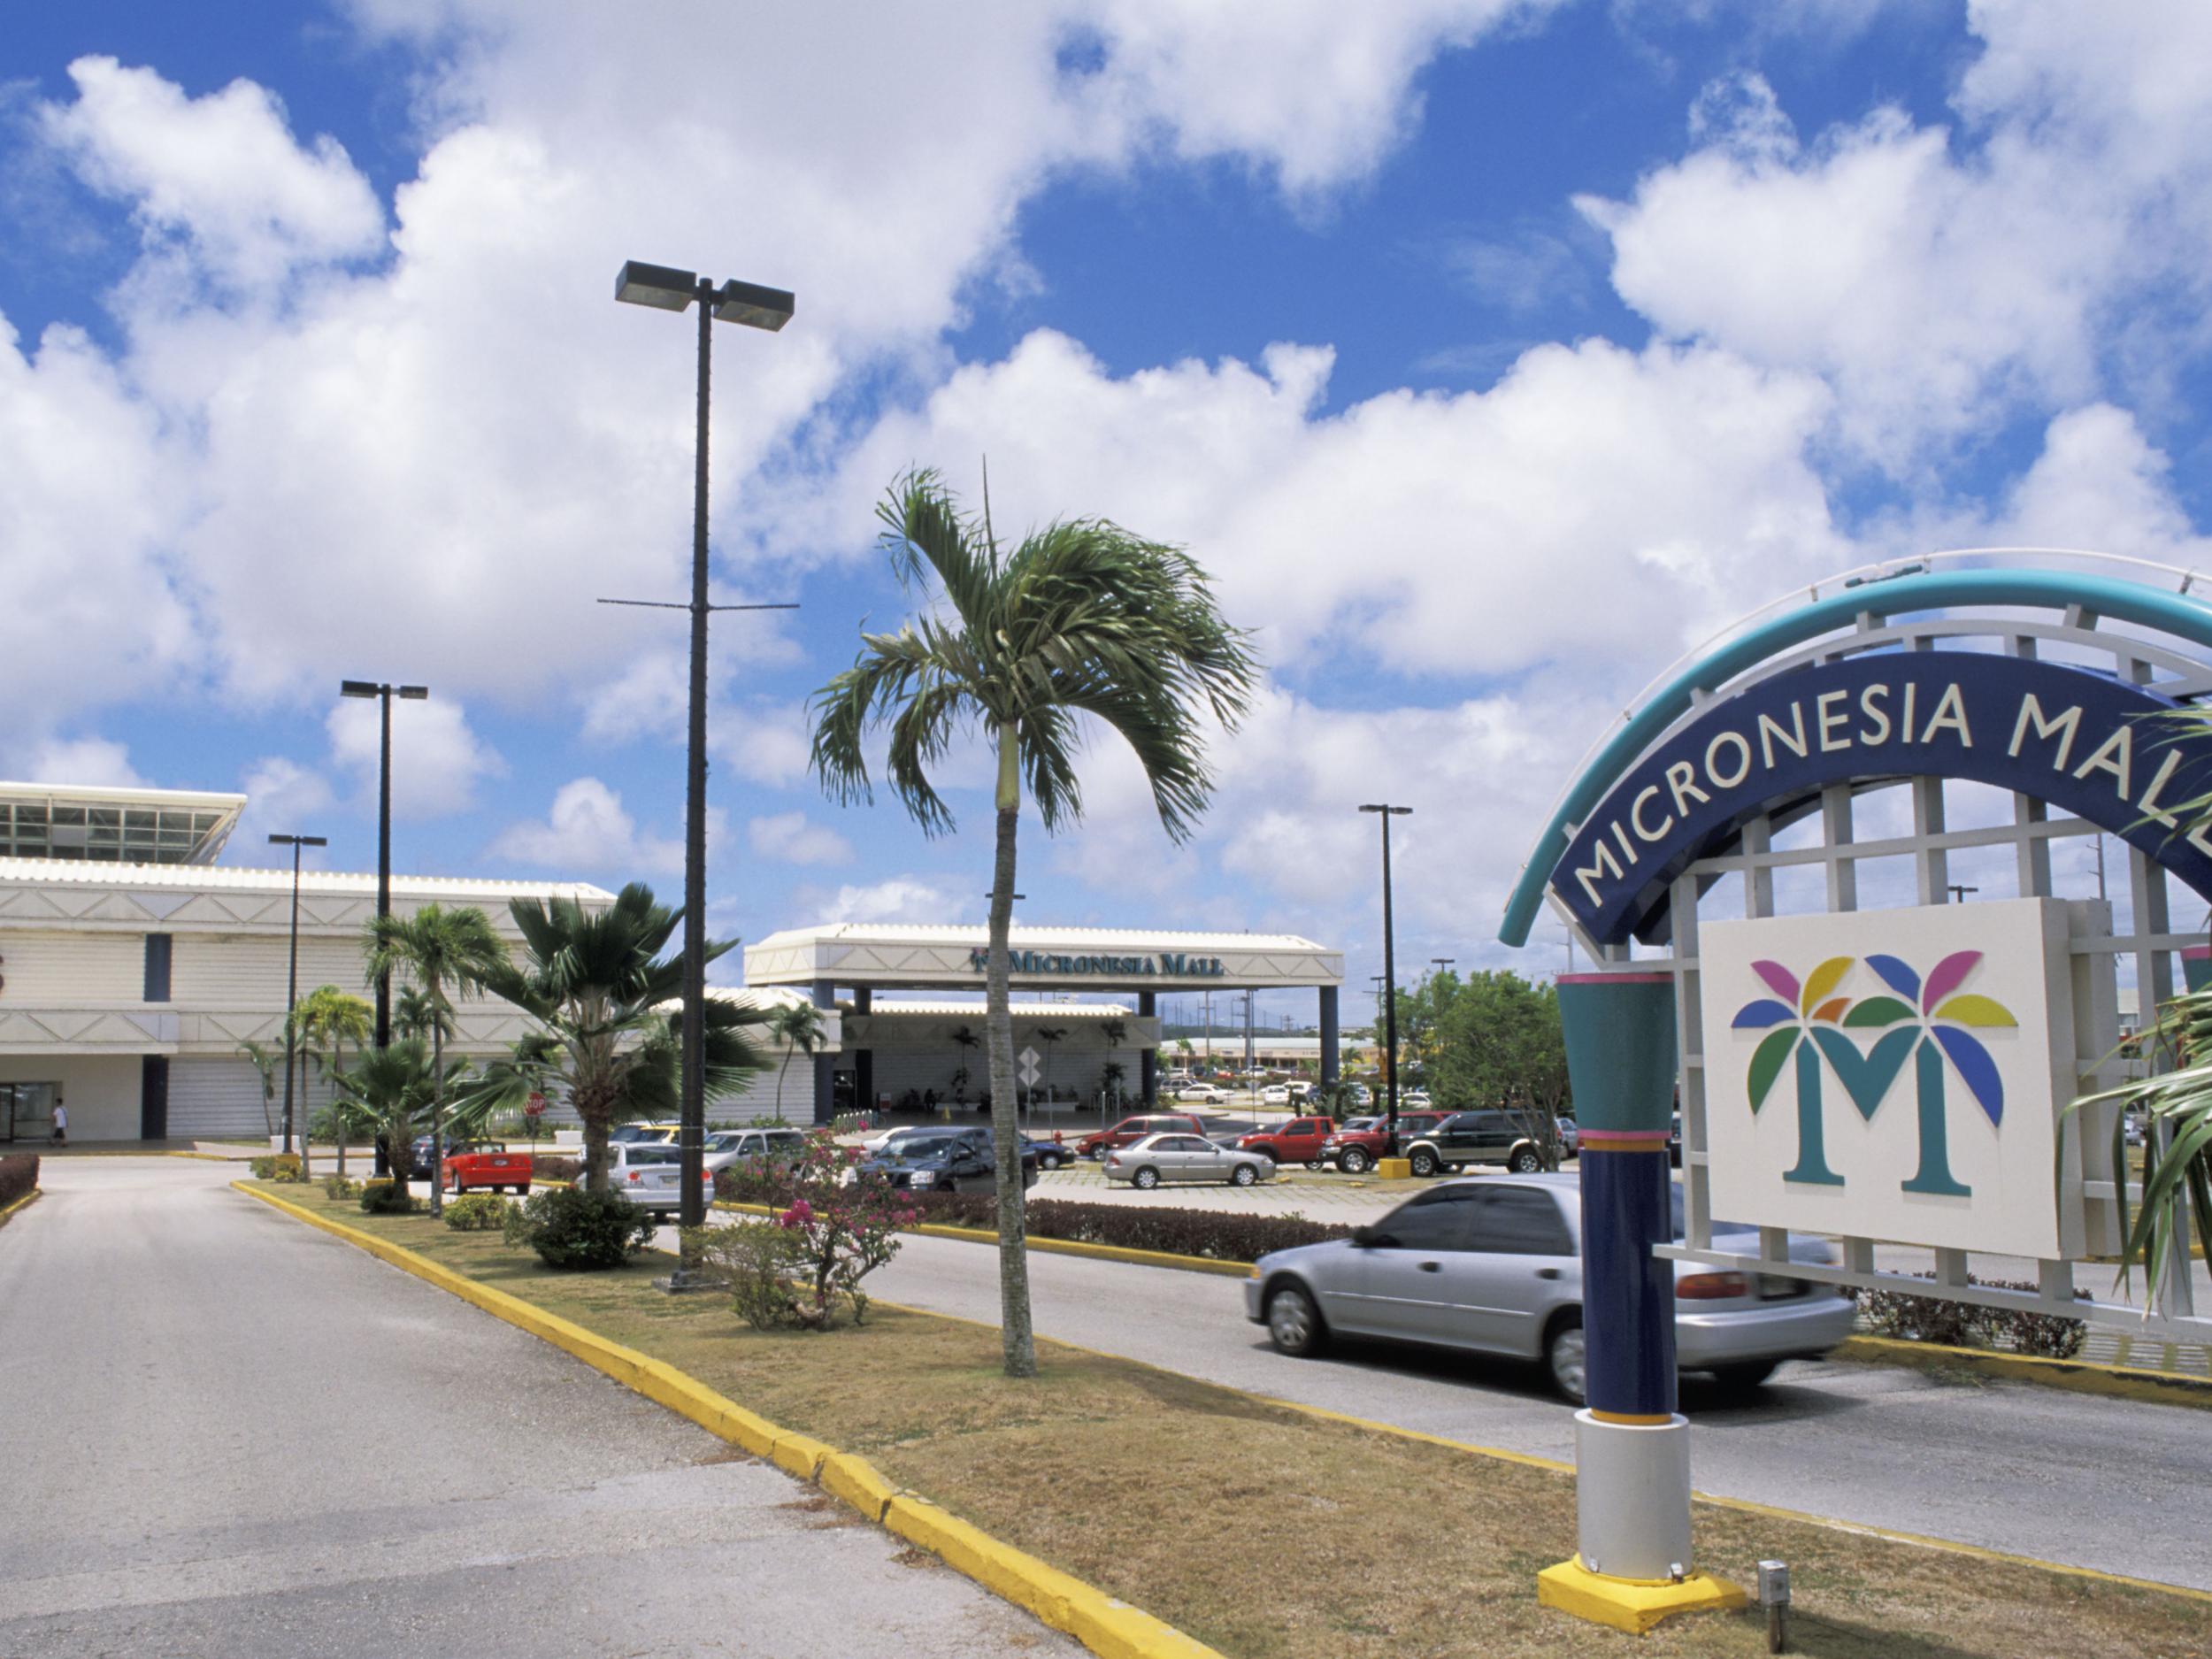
x=1364 y=1237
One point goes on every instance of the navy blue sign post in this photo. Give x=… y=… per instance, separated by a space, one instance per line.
x=2105 y=751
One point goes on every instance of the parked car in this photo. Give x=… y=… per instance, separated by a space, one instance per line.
x=1300 y=1089
x=1354 y=1150
x=728 y=1146
x=486 y=1170
x=422 y=1163
x=883 y=1138
x=1414 y=1099
x=1479 y=1137
x=642 y=1134
x=647 y=1173
x=952 y=1160
x=1211 y=1093
x=1130 y=1130
x=1570 y=1139
x=1160 y=1160
x=1051 y=1155
x=1298 y=1141
x=1276 y=1094
x=1494 y=1265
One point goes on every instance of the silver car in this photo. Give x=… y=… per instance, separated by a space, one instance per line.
x=1157 y=1160
x=1494 y=1265
x=647 y=1175
x=726 y=1146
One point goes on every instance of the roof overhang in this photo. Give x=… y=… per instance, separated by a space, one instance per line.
x=75 y=824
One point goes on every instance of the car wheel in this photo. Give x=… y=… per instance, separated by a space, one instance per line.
x=1354 y=1163
x=1566 y=1359
x=1746 y=1378
x=1145 y=1180
x=1243 y=1175
x=1524 y=1162
x=1293 y=1323
x=1424 y=1163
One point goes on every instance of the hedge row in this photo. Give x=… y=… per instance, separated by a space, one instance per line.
x=1224 y=1237
x=19 y=1174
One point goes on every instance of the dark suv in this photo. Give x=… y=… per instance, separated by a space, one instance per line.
x=955 y=1160
x=1477 y=1137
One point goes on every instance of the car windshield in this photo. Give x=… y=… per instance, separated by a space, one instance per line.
x=925 y=1147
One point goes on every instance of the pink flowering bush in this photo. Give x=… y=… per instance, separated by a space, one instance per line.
x=833 y=1227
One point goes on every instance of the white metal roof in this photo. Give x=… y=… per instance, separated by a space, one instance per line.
x=318 y=883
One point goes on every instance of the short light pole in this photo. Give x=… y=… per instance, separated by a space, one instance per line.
x=292 y=976
x=663 y=287
x=1390 y=974
x=1442 y=963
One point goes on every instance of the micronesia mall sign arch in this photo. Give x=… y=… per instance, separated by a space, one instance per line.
x=1896 y=1075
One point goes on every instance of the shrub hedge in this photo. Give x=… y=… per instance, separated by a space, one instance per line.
x=278 y=1166
x=1960 y=1324
x=546 y=1167
x=570 y=1227
x=381 y=1198
x=477 y=1212
x=19 y=1174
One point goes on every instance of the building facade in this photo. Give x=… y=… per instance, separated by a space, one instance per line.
x=133 y=969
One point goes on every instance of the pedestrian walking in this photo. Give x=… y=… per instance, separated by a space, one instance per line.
x=61 y=1124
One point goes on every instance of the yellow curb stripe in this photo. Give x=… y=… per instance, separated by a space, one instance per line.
x=1106 y=1626
x=2121 y=1382
x=23 y=1203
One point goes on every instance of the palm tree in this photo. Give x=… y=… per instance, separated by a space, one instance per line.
x=1051 y=1036
x=265 y=1063
x=329 y=1018
x=598 y=985
x=396 y=1092
x=414 y=1014
x=796 y=1026
x=448 y=954
x=1081 y=619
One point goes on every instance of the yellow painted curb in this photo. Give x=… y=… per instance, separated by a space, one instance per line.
x=2122 y=1382
x=1107 y=1627
x=1623 y=1604
x=1051 y=1246
x=23 y=1203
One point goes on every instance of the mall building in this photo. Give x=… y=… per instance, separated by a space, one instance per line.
x=133 y=967
x=907 y=1002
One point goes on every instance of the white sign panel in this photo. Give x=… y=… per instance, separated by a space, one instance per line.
x=1891 y=1074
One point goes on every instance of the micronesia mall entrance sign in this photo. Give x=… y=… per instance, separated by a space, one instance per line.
x=1899 y=1075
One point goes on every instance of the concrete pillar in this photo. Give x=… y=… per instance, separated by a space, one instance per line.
x=1329 y=1068
x=1148 y=1061
x=864 y=1059
x=825 y=1063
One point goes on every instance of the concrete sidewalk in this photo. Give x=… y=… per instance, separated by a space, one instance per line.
x=236 y=1436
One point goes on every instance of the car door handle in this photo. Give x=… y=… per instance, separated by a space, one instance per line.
x=1548 y=1272
x=1431 y=1267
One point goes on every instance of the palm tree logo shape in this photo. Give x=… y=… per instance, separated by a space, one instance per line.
x=1795 y=1024
x=1938 y=1021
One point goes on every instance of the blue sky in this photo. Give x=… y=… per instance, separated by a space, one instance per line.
x=1490 y=354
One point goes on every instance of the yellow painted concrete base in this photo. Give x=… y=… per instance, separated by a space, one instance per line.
x=1394 y=1168
x=1630 y=1604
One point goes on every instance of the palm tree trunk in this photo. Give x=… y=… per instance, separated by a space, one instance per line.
x=437 y=1116
x=789 y=1047
x=1016 y=1338
x=307 y=1169
x=338 y=1070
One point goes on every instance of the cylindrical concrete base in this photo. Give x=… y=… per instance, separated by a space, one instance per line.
x=1632 y=1497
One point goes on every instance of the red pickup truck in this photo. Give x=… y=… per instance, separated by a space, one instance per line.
x=493 y=1171
x=1297 y=1141
x=1130 y=1130
x=1354 y=1148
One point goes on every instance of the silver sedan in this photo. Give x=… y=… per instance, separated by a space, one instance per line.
x=1157 y=1160
x=1494 y=1264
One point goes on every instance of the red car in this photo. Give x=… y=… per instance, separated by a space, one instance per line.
x=1298 y=1142
x=490 y=1172
x=1131 y=1130
x=1355 y=1150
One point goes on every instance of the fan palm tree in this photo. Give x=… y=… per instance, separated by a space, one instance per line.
x=599 y=985
x=265 y=1061
x=329 y=1019
x=397 y=1092
x=1081 y=618
x=796 y=1026
x=447 y=954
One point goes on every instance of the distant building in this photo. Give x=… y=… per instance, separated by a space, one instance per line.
x=133 y=966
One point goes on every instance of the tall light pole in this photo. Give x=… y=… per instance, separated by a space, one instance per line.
x=292 y=976
x=665 y=288
x=1390 y=976
x=384 y=694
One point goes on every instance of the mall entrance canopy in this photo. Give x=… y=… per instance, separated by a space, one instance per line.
x=862 y=959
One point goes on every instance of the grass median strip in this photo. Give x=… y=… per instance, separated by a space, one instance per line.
x=1345 y=1542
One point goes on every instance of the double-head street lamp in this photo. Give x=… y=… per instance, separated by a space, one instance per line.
x=292 y=976
x=384 y=694
x=1390 y=977
x=665 y=288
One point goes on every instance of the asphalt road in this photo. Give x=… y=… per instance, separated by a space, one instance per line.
x=2113 y=1485
x=228 y=1434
